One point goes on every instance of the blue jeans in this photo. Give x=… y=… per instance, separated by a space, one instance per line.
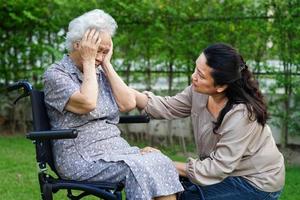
x=231 y=188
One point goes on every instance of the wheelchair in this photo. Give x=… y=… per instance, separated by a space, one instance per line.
x=42 y=135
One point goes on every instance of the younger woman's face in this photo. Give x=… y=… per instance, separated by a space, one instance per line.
x=202 y=80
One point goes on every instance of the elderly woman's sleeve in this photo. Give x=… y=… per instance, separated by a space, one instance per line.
x=237 y=133
x=58 y=88
x=169 y=107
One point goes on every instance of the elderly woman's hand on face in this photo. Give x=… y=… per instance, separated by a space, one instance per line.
x=107 y=58
x=89 y=46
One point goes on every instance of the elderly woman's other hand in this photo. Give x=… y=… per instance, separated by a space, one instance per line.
x=89 y=45
x=148 y=150
x=181 y=168
x=107 y=58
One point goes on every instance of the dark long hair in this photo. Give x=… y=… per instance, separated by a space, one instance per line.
x=229 y=68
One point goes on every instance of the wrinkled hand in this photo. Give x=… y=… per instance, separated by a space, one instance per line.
x=148 y=150
x=89 y=45
x=107 y=58
x=181 y=168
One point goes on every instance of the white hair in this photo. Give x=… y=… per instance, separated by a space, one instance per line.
x=97 y=19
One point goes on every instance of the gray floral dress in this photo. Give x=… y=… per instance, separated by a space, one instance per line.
x=99 y=153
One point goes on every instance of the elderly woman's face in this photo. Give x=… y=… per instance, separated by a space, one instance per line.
x=202 y=80
x=103 y=49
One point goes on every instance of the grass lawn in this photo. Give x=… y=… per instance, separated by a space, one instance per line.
x=18 y=172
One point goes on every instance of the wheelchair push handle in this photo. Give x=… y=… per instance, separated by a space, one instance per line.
x=24 y=85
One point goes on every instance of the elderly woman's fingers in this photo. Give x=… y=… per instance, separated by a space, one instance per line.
x=85 y=36
x=89 y=44
x=95 y=37
x=111 y=49
x=91 y=37
x=111 y=45
x=98 y=40
x=91 y=34
x=108 y=56
x=148 y=150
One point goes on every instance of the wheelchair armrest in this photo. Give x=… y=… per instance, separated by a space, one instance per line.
x=134 y=119
x=52 y=134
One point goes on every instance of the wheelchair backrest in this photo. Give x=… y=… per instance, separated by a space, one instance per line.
x=39 y=112
x=41 y=123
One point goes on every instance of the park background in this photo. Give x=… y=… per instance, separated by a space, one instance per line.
x=155 y=48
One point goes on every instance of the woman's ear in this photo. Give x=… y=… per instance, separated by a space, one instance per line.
x=221 y=88
x=76 y=45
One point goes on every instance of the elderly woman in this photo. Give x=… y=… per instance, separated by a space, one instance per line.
x=237 y=155
x=78 y=95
